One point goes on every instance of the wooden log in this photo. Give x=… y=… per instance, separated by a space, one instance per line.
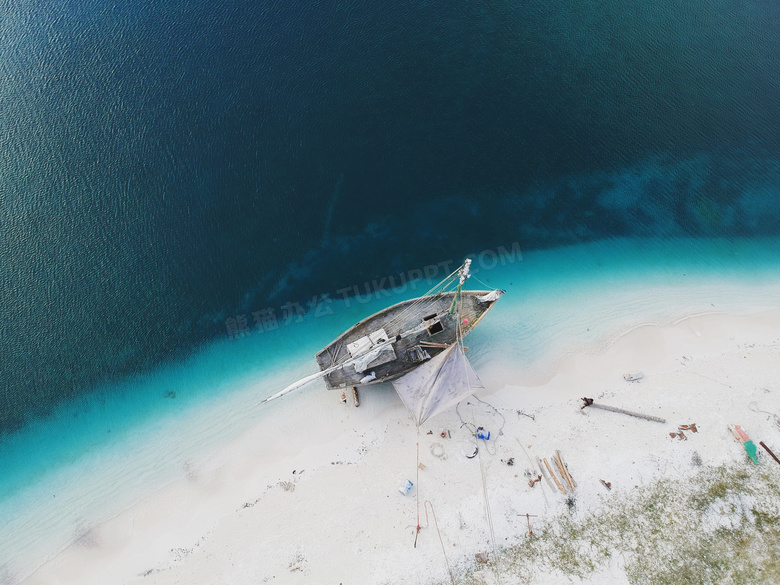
x=555 y=479
x=544 y=474
x=565 y=471
x=768 y=450
x=355 y=395
x=566 y=467
x=563 y=475
x=589 y=402
x=562 y=468
x=630 y=413
x=433 y=344
x=562 y=471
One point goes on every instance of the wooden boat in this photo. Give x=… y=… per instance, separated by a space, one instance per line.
x=398 y=339
x=416 y=344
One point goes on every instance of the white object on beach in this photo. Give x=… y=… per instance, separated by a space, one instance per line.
x=633 y=376
x=406 y=487
x=369 y=378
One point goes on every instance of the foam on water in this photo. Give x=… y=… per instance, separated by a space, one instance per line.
x=93 y=459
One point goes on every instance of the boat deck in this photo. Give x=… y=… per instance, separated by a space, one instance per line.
x=436 y=330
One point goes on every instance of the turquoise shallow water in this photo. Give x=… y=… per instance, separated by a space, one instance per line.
x=93 y=458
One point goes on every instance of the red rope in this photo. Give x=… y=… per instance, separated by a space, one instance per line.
x=417 y=492
x=427 y=522
x=441 y=540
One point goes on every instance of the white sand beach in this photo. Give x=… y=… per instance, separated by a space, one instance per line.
x=311 y=494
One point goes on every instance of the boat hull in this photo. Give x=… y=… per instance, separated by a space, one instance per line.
x=404 y=329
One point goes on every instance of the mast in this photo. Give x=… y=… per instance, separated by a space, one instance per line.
x=464 y=275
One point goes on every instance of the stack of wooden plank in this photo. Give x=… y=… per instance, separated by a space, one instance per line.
x=566 y=484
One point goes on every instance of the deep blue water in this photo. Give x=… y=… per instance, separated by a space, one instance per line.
x=168 y=166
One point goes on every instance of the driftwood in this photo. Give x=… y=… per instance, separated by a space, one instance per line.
x=544 y=474
x=563 y=475
x=565 y=471
x=555 y=479
x=768 y=450
x=589 y=402
x=355 y=396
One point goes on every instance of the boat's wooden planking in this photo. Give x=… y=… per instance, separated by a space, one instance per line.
x=398 y=320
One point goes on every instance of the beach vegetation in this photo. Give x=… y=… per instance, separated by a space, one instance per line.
x=721 y=525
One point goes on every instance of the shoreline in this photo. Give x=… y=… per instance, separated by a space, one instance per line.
x=244 y=515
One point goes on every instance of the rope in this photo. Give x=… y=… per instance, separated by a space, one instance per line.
x=484 y=492
x=427 y=522
x=533 y=468
x=754 y=407
x=473 y=427
x=441 y=540
x=411 y=309
x=776 y=419
x=336 y=349
x=488 y=513
x=417 y=491
x=486 y=285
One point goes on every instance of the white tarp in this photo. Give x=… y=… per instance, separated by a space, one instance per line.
x=381 y=354
x=438 y=384
x=491 y=296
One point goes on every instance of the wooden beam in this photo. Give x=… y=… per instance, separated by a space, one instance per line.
x=564 y=472
x=546 y=477
x=768 y=450
x=555 y=479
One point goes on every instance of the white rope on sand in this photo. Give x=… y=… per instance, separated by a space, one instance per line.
x=776 y=419
x=527 y=456
x=488 y=513
x=427 y=522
